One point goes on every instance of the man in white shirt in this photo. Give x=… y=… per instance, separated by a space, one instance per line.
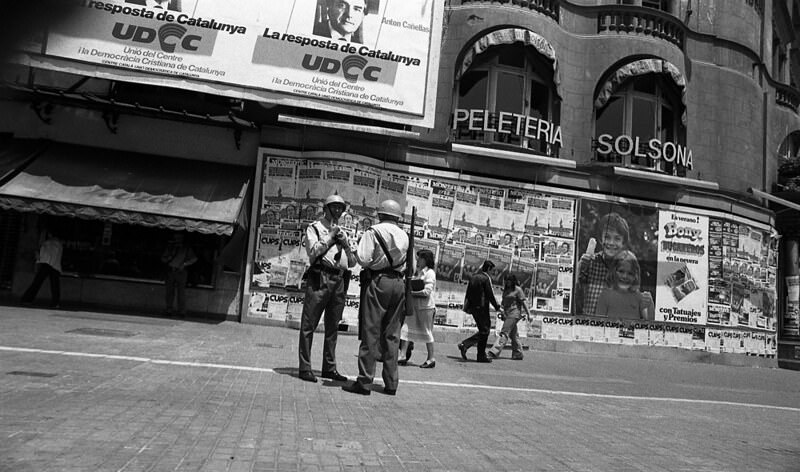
x=48 y=265
x=342 y=20
x=327 y=279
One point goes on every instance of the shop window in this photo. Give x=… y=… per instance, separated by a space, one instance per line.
x=107 y=250
x=643 y=108
x=509 y=86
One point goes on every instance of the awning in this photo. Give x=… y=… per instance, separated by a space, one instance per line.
x=774 y=199
x=129 y=188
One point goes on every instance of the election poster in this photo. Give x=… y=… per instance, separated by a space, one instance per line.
x=681 y=291
x=382 y=57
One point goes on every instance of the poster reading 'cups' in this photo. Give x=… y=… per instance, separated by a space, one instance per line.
x=681 y=291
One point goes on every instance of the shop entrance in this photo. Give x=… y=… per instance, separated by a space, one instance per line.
x=9 y=237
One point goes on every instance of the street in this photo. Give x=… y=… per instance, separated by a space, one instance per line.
x=87 y=391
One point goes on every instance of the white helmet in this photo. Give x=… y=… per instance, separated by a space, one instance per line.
x=333 y=199
x=390 y=208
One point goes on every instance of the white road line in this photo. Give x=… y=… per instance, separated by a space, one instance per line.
x=407 y=382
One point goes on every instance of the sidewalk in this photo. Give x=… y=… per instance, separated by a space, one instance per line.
x=106 y=392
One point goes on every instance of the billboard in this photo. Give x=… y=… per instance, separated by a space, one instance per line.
x=374 y=57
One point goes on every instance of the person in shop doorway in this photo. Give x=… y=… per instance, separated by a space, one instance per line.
x=382 y=255
x=476 y=302
x=48 y=266
x=178 y=256
x=327 y=281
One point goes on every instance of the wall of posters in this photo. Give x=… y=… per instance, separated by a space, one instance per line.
x=383 y=57
x=593 y=270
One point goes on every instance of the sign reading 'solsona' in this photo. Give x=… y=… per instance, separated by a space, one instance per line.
x=374 y=54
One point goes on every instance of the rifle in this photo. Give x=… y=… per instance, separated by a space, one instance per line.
x=410 y=263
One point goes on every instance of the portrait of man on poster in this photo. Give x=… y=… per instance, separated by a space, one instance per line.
x=343 y=19
x=171 y=5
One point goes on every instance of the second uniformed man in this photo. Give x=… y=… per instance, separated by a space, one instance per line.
x=382 y=255
x=326 y=288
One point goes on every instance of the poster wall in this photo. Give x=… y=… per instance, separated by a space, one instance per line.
x=593 y=270
x=380 y=56
x=462 y=223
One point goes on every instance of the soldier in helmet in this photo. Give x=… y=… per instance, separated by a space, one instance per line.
x=327 y=279
x=382 y=254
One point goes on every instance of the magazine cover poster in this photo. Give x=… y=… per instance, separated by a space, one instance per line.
x=614 y=230
x=681 y=292
x=474 y=257
x=280 y=175
x=502 y=265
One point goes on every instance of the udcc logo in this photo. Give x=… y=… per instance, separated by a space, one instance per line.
x=352 y=67
x=169 y=36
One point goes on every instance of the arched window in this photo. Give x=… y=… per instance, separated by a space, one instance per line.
x=507 y=98
x=642 y=108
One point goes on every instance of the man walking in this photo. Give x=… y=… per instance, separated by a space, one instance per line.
x=382 y=254
x=327 y=279
x=479 y=296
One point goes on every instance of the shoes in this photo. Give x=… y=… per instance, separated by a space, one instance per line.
x=517 y=357
x=484 y=360
x=428 y=365
x=463 y=349
x=390 y=391
x=357 y=387
x=491 y=354
x=402 y=361
x=308 y=376
x=334 y=375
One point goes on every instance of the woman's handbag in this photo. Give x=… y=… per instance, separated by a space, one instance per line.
x=417 y=285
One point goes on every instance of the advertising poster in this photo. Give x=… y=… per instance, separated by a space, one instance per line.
x=681 y=291
x=448 y=272
x=474 y=256
x=515 y=210
x=524 y=270
x=502 y=265
x=678 y=336
x=791 y=317
x=282 y=176
x=561 y=217
x=376 y=58
x=544 y=288
x=557 y=328
x=443 y=194
x=616 y=230
x=538 y=219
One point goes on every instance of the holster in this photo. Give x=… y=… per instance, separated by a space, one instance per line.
x=365 y=277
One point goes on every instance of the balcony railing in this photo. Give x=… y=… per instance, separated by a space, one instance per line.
x=787 y=96
x=549 y=8
x=640 y=21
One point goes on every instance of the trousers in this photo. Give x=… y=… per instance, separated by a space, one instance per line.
x=176 y=283
x=508 y=331
x=327 y=294
x=381 y=310
x=44 y=271
x=484 y=324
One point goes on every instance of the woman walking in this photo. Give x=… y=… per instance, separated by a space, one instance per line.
x=419 y=326
x=513 y=307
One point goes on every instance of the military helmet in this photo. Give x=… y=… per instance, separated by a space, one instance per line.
x=333 y=199
x=390 y=208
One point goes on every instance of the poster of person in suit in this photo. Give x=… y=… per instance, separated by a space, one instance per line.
x=344 y=19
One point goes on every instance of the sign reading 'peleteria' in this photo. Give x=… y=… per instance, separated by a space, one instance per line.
x=375 y=54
